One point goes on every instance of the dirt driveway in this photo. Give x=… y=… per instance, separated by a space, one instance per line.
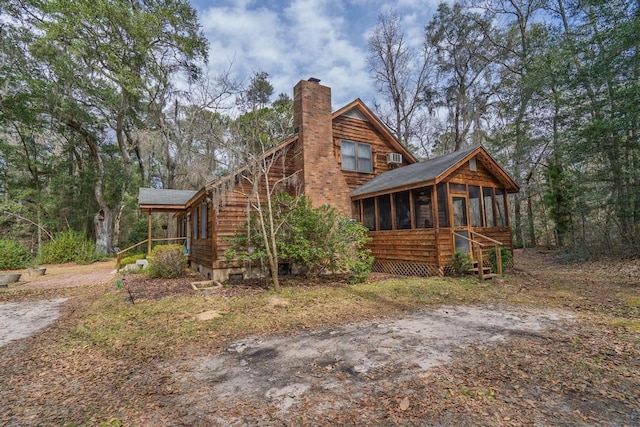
x=332 y=366
x=512 y=363
x=22 y=319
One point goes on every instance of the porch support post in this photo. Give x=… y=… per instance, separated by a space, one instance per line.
x=149 y=222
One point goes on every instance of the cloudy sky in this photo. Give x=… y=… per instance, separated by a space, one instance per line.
x=297 y=39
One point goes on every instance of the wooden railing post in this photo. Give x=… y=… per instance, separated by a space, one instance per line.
x=480 y=264
x=118 y=261
x=498 y=250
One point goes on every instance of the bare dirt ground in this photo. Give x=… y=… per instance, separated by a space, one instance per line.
x=515 y=362
x=33 y=313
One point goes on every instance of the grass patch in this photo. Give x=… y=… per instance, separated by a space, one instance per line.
x=155 y=327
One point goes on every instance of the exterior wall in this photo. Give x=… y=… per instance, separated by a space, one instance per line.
x=482 y=177
x=361 y=131
x=418 y=245
x=231 y=215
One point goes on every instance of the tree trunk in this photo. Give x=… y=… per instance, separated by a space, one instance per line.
x=103 y=220
x=103 y=224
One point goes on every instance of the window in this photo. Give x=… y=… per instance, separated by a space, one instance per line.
x=384 y=212
x=403 y=211
x=369 y=213
x=501 y=211
x=487 y=194
x=355 y=209
x=356 y=156
x=194 y=224
x=443 y=210
x=422 y=209
x=203 y=221
x=459 y=205
x=473 y=166
x=475 y=209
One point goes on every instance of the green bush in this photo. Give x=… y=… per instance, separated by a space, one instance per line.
x=131 y=259
x=167 y=261
x=506 y=257
x=360 y=266
x=314 y=239
x=70 y=246
x=13 y=255
x=462 y=262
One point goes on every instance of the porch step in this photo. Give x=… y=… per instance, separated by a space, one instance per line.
x=486 y=271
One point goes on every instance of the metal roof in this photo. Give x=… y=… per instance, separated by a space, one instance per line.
x=155 y=196
x=413 y=174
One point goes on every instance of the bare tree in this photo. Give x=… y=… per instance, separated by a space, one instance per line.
x=465 y=56
x=402 y=74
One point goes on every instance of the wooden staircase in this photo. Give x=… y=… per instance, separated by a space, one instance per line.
x=483 y=272
x=486 y=273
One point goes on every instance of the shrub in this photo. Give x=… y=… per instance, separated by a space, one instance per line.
x=13 y=255
x=360 y=266
x=314 y=239
x=131 y=259
x=506 y=257
x=70 y=246
x=167 y=261
x=461 y=262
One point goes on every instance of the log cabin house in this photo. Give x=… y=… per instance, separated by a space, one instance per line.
x=418 y=213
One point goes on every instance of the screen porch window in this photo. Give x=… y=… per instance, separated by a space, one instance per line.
x=475 y=209
x=384 y=212
x=422 y=207
x=356 y=156
x=501 y=208
x=403 y=210
x=487 y=195
x=369 y=213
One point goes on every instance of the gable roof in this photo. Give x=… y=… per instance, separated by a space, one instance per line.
x=377 y=124
x=161 y=199
x=433 y=171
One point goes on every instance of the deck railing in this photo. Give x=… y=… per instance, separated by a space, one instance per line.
x=496 y=244
x=145 y=242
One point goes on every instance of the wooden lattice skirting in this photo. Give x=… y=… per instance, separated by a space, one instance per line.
x=409 y=268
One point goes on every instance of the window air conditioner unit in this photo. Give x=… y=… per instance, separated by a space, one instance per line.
x=394 y=158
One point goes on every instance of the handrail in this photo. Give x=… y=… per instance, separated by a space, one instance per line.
x=488 y=238
x=470 y=239
x=164 y=239
x=496 y=245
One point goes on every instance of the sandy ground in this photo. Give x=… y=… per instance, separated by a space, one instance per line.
x=284 y=371
x=21 y=319
x=65 y=276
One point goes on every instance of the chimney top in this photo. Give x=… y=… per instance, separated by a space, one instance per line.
x=314 y=80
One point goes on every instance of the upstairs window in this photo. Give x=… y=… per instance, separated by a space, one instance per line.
x=356 y=156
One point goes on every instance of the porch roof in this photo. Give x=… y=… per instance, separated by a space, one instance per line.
x=163 y=200
x=431 y=171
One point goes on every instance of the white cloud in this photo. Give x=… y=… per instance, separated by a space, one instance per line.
x=299 y=39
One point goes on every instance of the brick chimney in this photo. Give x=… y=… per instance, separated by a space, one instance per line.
x=324 y=182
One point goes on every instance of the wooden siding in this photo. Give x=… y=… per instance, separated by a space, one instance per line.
x=464 y=175
x=362 y=131
x=404 y=245
x=201 y=248
x=231 y=215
